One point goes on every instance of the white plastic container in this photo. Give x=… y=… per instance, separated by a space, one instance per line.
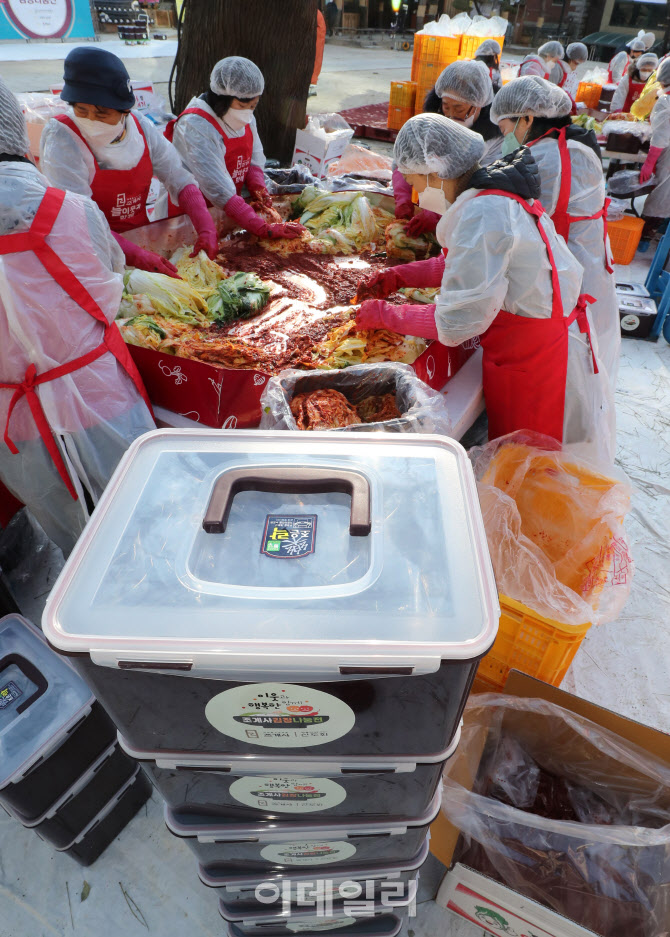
x=242 y=895
x=222 y=846
x=382 y=923
x=51 y=729
x=349 y=595
x=250 y=789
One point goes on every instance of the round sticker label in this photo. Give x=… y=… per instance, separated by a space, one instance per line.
x=309 y=853
x=288 y=794
x=279 y=715
x=630 y=323
x=319 y=924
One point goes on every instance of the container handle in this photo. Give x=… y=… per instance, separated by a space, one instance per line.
x=290 y=481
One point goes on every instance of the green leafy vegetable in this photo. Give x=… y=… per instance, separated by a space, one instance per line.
x=239 y=297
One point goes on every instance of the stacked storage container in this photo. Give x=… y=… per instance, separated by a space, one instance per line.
x=62 y=772
x=285 y=628
x=401 y=103
x=433 y=55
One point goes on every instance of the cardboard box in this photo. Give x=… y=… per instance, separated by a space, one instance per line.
x=453 y=893
x=318 y=151
x=487 y=904
x=230 y=397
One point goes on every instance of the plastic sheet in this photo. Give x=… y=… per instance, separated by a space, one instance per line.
x=617 y=209
x=564 y=812
x=625 y=182
x=423 y=410
x=359 y=160
x=554 y=524
x=639 y=129
x=286 y=181
x=38 y=109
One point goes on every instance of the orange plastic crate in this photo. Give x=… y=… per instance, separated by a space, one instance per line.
x=538 y=646
x=398 y=116
x=440 y=49
x=588 y=92
x=421 y=92
x=416 y=55
x=624 y=238
x=403 y=94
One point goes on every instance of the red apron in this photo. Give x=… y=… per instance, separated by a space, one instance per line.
x=610 y=77
x=561 y=218
x=635 y=89
x=525 y=362
x=121 y=194
x=238 y=152
x=35 y=240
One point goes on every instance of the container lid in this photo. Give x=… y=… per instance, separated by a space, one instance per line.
x=381 y=922
x=254 y=554
x=380 y=871
x=304 y=765
x=41 y=698
x=210 y=829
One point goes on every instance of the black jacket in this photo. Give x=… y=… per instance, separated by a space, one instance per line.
x=516 y=173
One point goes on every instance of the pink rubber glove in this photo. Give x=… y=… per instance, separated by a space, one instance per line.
x=405 y=320
x=650 y=163
x=145 y=260
x=402 y=191
x=242 y=213
x=255 y=182
x=192 y=201
x=288 y=229
x=421 y=273
x=424 y=222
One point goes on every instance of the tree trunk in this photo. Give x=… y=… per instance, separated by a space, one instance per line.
x=279 y=36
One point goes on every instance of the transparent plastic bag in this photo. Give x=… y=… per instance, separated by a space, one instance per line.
x=423 y=410
x=594 y=843
x=285 y=181
x=362 y=162
x=616 y=209
x=626 y=181
x=329 y=126
x=554 y=524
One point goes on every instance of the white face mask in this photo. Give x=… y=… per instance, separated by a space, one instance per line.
x=645 y=75
x=469 y=121
x=433 y=199
x=98 y=132
x=238 y=118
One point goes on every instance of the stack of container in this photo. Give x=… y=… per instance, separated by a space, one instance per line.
x=431 y=56
x=285 y=627
x=401 y=103
x=62 y=772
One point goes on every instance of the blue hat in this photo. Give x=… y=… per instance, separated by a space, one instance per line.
x=95 y=76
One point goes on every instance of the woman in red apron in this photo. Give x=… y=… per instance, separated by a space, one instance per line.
x=564 y=73
x=217 y=139
x=71 y=400
x=572 y=191
x=632 y=84
x=510 y=279
x=618 y=66
x=542 y=63
x=489 y=53
x=102 y=150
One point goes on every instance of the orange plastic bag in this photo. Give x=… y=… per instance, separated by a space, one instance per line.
x=562 y=530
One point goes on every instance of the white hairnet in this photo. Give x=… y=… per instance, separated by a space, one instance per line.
x=551 y=50
x=636 y=45
x=530 y=96
x=489 y=47
x=577 y=52
x=649 y=39
x=467 y=81
x=237 y=77
x=13 y=136
x=431 y=143
x=663 y=74
x=648 y=60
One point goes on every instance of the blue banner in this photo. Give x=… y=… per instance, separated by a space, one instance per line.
x=45 y=19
